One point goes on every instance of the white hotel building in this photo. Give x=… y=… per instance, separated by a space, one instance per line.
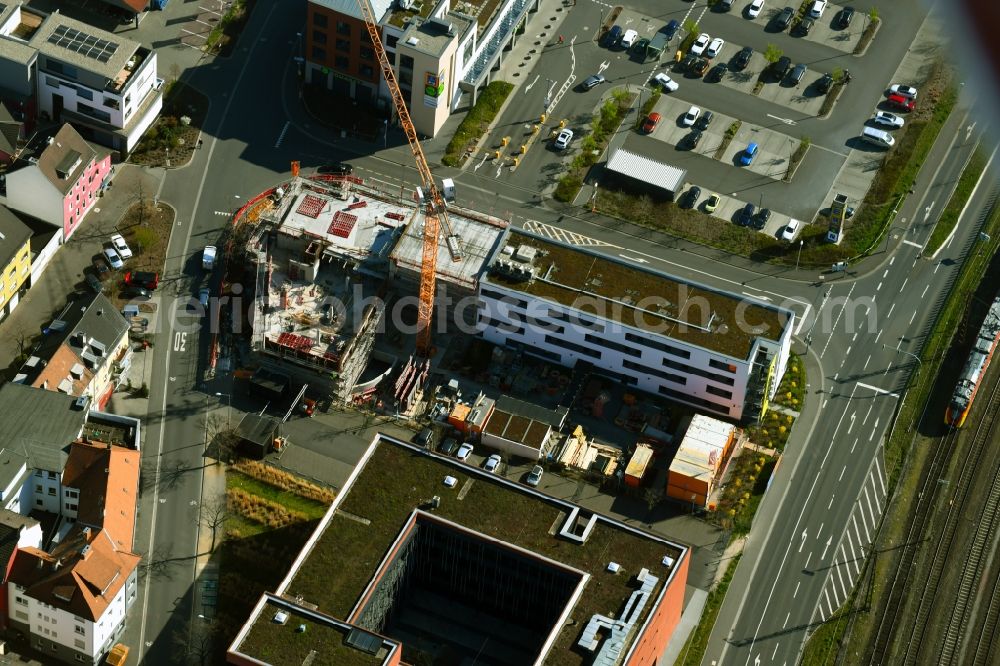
x=719 y=352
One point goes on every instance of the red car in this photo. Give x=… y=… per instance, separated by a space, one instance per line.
x=652 y=120
x=901 y=103
x=146 y=280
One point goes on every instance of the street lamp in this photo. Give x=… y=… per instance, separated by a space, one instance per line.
x=903 y=351
x=229 y=412
x=799 y=254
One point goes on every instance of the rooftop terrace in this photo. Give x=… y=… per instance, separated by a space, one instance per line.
x=639 y=297
x=396 y=479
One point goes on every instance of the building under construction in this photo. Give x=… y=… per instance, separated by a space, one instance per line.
x=330 y=257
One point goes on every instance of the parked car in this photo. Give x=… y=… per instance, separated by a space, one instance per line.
x=121 y=247
x=693 y=139
x=592 y=81
x=804 y=27
x=715 y=47
x=652 y=120
x=691 y=116
x=534 y=476
x=781 y=67
x=628 y=39
x=640 y=47
x=700 y=44
x=671 y=30
x=93 y=282
x=424 y=438
x=203 y=295
x=101 y=268
x=825 y=83
x=687 y=65
x=705 y=120
x=746 y=215
x=336 y=169
x=449 y=446
x=817 y=8
x=492 y=464
x=901 y=103
x=844 y=18
x=784 y=18
x=761 y=219
x=700 y=67
x=712 y=203
x=742 y=58
x=790 y=230
x=145 y=279
x=754 y=8
x=563 y=139
x=464 y=452
x=690 y=198
x=613 y=36
x=112 y=256
x=746 y=159
x=887 y=119
x=909 y=92
x=795 y=78
x=725 y=5
x=137 y=293
x=667 y=83
x=717 y=72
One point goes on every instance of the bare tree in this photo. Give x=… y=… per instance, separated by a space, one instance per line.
x=22 y=340
x=213 y=516
x=223 y=439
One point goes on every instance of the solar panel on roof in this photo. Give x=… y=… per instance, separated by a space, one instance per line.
x=364 y=641
x=86 y=45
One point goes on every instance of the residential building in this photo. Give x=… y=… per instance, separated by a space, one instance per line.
x=717 y=351
x=15 y=257
x=85 y=353
x=11 y=134
x=69 y=71
x=443 y=52
x=542 y=580
x=61 y=181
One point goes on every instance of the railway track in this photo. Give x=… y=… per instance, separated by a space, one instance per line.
x=984 y=648
x=890 y=619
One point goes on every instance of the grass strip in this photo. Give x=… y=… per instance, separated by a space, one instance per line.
x=592 y=147
x=949 y=218
x=476 y=121
x=822 y=647
x=697 y=642
x=293 y=502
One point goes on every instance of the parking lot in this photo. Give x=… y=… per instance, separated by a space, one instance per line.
x=202 y=19
x=823 y=30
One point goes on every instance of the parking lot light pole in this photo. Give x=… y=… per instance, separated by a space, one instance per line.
x=229 y=411
x=799 y=255
x=903 y=351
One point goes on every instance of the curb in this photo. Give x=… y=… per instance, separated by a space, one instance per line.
x=968 y=201
x=878 y=26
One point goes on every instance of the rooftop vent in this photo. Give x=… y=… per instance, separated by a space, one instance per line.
x=412 y=41
x=281 y=617
x=440 y=25
x=525 y=253
x=80 y=404
x=614 y=567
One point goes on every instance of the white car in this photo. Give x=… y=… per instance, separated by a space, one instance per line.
x=714 y=48
x=909 y=92
x=669 y=85
x=563 y=139
x=888 y=119
x=628 y=39
x=464 y=452
x=113 y=258
x=691 y=116
x=817 y=8
x=121 y=246
x=754 y=8
x=701 y=43
x=790 y=230
x=492 y=463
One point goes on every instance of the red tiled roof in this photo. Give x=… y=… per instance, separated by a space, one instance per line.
x=107 y=477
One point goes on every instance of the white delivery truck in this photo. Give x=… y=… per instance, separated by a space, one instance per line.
x=208 y=257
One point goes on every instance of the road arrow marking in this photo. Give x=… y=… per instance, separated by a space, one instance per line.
x=787 y=121
x=874 y=428
x=756 y=660
x=635 y=259
x=803 y=540
x=828 y=540
x=927 y=211
x=528 y=87
x=481 y=163
x=604 y=66
x=854 y=415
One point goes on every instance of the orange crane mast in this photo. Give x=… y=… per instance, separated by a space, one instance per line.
x=435 y=209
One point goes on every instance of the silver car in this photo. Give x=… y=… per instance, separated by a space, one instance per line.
x=112 y=256
x=534 y=476
x=563 y=139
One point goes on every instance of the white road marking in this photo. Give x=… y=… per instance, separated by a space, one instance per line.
x=854 y=444
x=878 y=390
x=528 y=87
x=879 y=287
x=841 y=477
x=867 y=361
x=848 y=352
x=891 y=308
x=887 y=370
x=854 y=337
x=840 y=577
x=879 y=476
x=909 y=242
x=886 y=274
x=937 y=267
x=871 y=406
x=796 y=589
x=837 y=321
x=281 y=137
x=787 y=615
x=831 y=502
x=879 y=335
x=924 y=292
x=864 y=524
x=874 y=430
x=868 y=501
x=904 y=285
x=913 y=316
x=878 y=507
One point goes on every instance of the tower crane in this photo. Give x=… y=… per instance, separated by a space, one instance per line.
x=435 y=209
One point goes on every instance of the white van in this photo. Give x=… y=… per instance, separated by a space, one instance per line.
x=208 y=257
x=877 y=137
x=448 y=189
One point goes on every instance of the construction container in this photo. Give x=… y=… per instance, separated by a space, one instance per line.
x=459 y=413
x=118 y=655
x=638 y=465
x=702 y=453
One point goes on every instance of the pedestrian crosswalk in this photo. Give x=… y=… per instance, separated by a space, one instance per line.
x=856 y=542
x=563 y=235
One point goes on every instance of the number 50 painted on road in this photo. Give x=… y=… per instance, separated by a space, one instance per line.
x=180 y=341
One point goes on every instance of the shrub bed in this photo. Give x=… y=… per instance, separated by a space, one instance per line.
x=592 y=146
x=283 y=480
x=476 y=121
x=949 y=217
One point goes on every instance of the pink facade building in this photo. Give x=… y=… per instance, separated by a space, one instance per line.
x=62 y=182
